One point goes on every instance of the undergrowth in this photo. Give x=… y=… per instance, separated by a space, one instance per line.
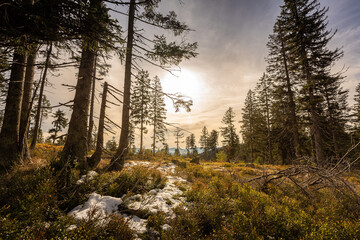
x=219 y=205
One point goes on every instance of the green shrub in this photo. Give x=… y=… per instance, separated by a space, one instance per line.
x=221 y=156
x=136 y=180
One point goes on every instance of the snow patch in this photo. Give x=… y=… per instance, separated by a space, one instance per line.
x=159 y=199
x=104 y=206
x=135 y=223
x=169 y=168
x=155 y=200
x=135 y=163
x=89 y=176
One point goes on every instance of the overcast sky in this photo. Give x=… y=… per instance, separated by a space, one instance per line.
x=232 y=37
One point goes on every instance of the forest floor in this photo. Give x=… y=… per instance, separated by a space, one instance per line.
x=170 y=198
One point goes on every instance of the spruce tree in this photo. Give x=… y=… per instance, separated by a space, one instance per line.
x=59 y=123
x=285 y=119
x=204 y=142
x=356 y=116
x=248 y=123
x=157 y=112
x=213 y=143
x=264 y=88
x=156 y=51
x=178 y=134
x=305 y=23
x=140 y=104
x=336 y=116
x=192 y=145
x=230 y=138
x=254 y=128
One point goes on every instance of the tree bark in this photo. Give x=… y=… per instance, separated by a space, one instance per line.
x=26 y=104
x=154 y=133
x=76 y=142
x=9 y=137
x=40 y=100
x=117 y=162
x=141 y=131
x=91 y=116
x=96 y=157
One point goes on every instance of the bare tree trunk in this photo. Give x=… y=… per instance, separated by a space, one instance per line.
x=40 y=100
x=141 y=134
x=91 y=116
x=26 y=104
x=117 y=162
x=154 y=133
x=96 y=157
x=9 y=137
x=268 y=126
x=76 y=142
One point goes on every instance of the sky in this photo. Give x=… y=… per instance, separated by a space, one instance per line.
x=232 y=37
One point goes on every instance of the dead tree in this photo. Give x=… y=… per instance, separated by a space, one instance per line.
x=309 y=178
x=94 y=160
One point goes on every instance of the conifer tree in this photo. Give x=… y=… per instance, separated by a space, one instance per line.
x=204 y=142
x=336 y=116
x=157 y=112
x=140 y=104
x=264 y=88
x=254 y=128
x=192 y=145
x=230 y=138
x=305 y=23
x=285 y=119
x=356 y=115
x=179 y=134
x=162 y=54
x=59 y=124
x=213 y=143
x=248 y=123
x=187 y=146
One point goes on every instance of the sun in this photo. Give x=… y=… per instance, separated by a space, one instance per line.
x=187 y=82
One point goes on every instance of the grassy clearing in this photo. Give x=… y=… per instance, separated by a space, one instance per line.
x=219 y=204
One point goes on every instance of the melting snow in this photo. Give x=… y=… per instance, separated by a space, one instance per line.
x=135 y=163
x=154 y=201
x=159 y=199
x=104 y=205
x=89 y=176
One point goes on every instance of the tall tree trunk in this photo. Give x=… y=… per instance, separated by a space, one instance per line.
x=26 y=104
x=154 y=133
x=91 y=116
x=291 y=105
x=9 y=137
x=96 y=157
x=141 y=132
x=76 y=142
x=117 y=162
x=40 y=100
x=268 y=126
